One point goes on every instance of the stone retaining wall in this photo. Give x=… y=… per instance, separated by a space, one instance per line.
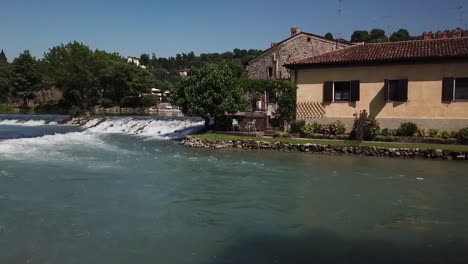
x=327 y=149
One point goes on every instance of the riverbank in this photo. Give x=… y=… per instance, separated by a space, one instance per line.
x=378 y=149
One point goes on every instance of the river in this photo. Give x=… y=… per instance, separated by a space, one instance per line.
x=124 y=191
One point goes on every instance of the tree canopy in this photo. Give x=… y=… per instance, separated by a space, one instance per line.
x=377 y=35
x=401 y=35
x=209 y=91
x=26 y=79
x=3 y=58
x=360 y=36
x=329 y=36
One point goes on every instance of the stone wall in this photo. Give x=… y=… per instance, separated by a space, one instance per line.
x=301 y=46
x=327 y=149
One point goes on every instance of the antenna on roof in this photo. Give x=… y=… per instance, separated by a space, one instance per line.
x=461 y=12
x=339 y=11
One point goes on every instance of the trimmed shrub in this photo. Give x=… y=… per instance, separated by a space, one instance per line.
x=310 y=129
x=408 y=129
x=445 y=135
x=433 y=133
x=337 y=128
x=281 y=135
x=149 y=100
x=130 y=101
x=387 y=132
x=462 y=135
x=421 y=132
x=297 y=126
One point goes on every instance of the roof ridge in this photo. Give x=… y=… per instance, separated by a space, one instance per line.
x=408 y=41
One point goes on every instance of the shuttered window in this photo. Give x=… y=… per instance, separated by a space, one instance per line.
x=341 y=91
x=454 y=89
x=396 y=90
x=461 y=89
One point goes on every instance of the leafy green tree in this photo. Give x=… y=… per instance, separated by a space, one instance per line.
x=115 y=81
x=401 y=35
x=329 y=36
x=4 y=82
x=286 y=94
x=76 y=69
x=360 y=36
x=377 y=35
x=3 y=58
x=25 y=77
x=141 y=82
x=209 y=91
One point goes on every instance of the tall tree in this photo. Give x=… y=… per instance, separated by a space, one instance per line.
x=208 y=92
x=3 y=58
x=76 y=69
x=378 y=35
x=25 y=77
x=360 y=36
x=144 y=59
x=401 y=35
x=329 y=36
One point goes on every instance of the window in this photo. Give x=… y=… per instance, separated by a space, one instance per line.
x=342 y=91
x=461 y=89
x=271 y=97
x=396 y=90
x=454 y=89
x=270 y=71
x=309 y=39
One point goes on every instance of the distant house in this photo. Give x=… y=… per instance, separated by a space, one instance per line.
x=423 y=81
x=270 y=63
x=136 y=61
x=184 y=72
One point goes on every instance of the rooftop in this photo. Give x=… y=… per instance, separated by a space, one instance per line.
x=405 y=51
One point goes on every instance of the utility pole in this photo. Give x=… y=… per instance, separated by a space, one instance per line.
x=461 y=12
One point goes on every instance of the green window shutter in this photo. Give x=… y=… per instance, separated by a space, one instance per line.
x=447 y=89
x=403 y=90
x=355 y=91
x=328 y=91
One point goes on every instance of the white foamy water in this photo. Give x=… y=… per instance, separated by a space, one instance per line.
x=17 y=122
x=152 y=128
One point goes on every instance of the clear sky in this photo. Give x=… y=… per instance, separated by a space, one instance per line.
x=170 y=27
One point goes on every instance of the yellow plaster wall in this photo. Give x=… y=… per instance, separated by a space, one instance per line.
x=424 y=90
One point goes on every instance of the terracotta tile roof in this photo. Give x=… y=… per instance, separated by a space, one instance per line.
x=406 y=51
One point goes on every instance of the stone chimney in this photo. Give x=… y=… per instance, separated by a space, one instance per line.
x=427 y=35
x=272 y=44
x=442 y=35
x=295 y=31
x=457 y=33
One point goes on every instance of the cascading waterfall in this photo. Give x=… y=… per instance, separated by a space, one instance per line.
x=148 y=127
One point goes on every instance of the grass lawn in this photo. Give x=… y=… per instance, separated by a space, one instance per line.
x=223 y=137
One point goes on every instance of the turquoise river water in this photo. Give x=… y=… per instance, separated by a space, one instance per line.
x=123 y=190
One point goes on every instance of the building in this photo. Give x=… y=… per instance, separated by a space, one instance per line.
x=423 y=81
x=136 y=61
x=270 y=63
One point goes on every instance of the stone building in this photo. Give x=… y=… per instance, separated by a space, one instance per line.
x=270 y=63
x=300 y=45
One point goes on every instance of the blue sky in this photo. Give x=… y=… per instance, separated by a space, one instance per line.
x=170 y=27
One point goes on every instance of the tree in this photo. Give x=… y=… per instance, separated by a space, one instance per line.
x=360 y=36
x=286 y=94
x=209 y=91
x=25 y=77
x=401 y=35
x=76 y=69
x=4 y=82
x=3 y=58
x=329 y=36
x=144 y=59
x=377 y=35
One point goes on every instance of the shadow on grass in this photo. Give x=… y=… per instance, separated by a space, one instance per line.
x=321 y=246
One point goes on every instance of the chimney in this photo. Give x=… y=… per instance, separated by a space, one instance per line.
x=442 y=35
x=457 y=33
x=295 y=31
x=272 y=44
x=427 y=35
